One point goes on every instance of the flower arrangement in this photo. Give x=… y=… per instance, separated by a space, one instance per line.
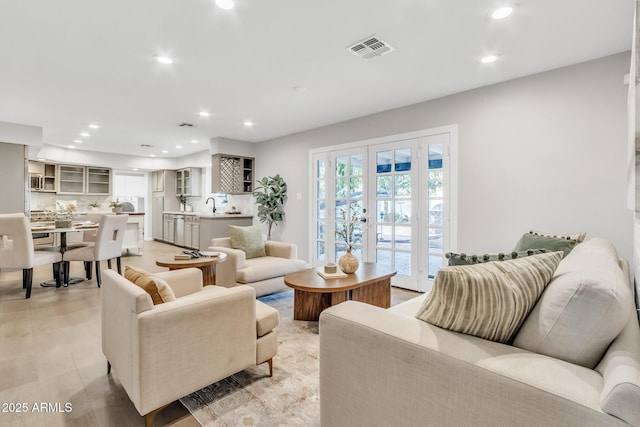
x=64 y=215
x=350 y=230
x=116 y=206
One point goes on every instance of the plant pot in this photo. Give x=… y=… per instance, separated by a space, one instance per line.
x=62 y=223
x=116 y=210
x=348 y=263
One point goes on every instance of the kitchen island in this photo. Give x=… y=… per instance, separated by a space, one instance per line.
x=196 y=229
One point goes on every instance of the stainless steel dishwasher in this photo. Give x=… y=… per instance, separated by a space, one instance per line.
x=178 y=230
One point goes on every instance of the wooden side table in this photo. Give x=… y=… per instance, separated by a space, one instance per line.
x=206 y=264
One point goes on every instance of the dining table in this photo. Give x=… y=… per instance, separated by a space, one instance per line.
x=62 y=232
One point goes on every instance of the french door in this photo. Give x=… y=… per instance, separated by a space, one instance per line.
x=400 y=194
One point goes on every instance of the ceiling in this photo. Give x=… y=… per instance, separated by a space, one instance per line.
x=281 y=64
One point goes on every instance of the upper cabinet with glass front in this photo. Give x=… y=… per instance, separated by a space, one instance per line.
x=188 y=182
x=71 y=179
x=74 y=179
x=98 y=181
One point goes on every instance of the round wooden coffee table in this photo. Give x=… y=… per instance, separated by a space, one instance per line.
x=371 y=283
x=206 y=264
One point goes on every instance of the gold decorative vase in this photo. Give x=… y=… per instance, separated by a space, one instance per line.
x=348 y=263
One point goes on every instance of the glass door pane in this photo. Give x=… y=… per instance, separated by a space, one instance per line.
x=394 y=176
x=349 y=207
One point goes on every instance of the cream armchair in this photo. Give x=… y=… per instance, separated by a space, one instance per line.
x=161 y=353
x=264 y=274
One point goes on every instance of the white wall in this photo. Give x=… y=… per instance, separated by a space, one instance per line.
x=546 y=151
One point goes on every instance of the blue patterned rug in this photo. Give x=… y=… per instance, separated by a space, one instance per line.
x=252 y=398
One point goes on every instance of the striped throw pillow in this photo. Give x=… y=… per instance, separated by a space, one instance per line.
x=489 y=300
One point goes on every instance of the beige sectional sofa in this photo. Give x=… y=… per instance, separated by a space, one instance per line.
x=385 y=367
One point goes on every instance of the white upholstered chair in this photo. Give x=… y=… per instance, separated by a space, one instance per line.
x=108 y=245
x=163 y=352
x=264 y=274
x=17 y=252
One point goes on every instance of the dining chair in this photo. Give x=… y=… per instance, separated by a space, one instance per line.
x=17 y=251
x=108 y=246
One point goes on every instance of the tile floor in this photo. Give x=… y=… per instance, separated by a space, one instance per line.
x=50 y=353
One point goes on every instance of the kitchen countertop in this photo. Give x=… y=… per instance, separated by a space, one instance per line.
x=209 y=215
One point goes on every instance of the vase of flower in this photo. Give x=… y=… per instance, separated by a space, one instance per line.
x=348 y=262
x=63 y=223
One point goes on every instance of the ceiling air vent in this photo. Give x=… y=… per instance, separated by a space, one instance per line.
x=146 y=146
x=187 y=125
x=370 y=47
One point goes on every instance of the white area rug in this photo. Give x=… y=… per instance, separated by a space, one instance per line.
x=252 y=398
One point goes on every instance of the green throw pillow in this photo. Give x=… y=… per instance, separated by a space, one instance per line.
x=247 y=239
x=536 y=241
x=578 y=237
x=464 y=259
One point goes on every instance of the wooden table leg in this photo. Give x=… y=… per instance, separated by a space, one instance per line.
x=309 y=305
x=208 y=275
x=378 y=293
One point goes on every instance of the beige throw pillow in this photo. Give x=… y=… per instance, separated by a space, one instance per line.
x=248 y=239
x=489 y=300
x=584 y=308
x=157 y=288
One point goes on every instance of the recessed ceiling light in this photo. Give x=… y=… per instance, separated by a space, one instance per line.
x=299 y=89
x=152 y=155
x=135 y=169
x=194 y=141
x=71 y=146
x=248 y=123
x=94 y=126
x=178 y=146
x=225 y=4
x=42 y=160
x=489 y=59
x=164 y=60
x=502 y=12
x=85 y=134
x=164 y=151
x=204 y=113
x=77 y=141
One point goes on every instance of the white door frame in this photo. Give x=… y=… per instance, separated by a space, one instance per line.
x=451 y=239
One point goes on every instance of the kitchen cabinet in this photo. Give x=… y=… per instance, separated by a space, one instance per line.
x=232 y=174
x=42 y=177
x=134 y=233
x=218 y=226
x=71 y=179
x=90 y=180
x=188 y=182
x=163 y=181
x=168 y=234
x=98 y=181
x=192 y=231
x=163 y=186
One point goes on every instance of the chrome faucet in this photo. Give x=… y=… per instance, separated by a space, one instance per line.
x=214 y=203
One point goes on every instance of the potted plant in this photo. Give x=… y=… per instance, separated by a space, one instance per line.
x=64 y=216
x=116 y=206
x=94 y=206
x=271 y=195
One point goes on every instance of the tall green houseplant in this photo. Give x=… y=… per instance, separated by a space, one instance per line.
x=271 y=195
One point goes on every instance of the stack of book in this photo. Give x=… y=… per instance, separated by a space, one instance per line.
x=195 y=254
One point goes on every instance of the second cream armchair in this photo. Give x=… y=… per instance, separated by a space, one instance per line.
x=265 y=274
